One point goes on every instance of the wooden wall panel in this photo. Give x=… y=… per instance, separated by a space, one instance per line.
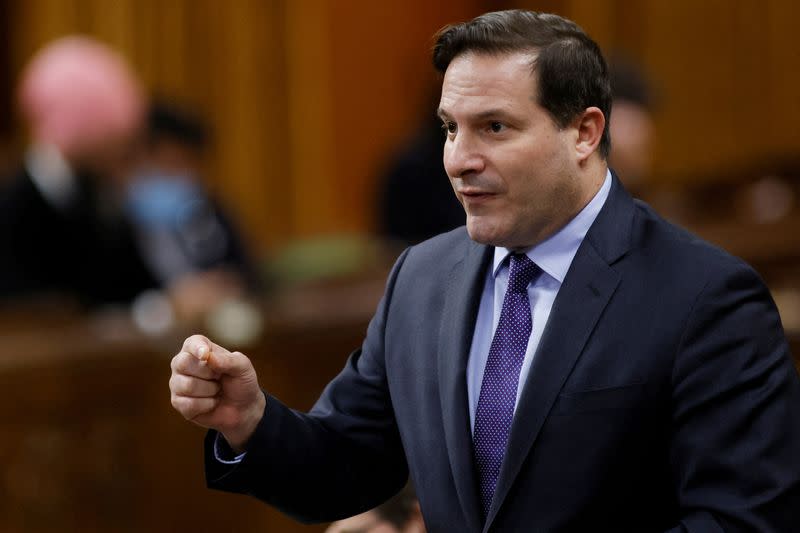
x=690 y=51
x=723 y=67
x=7 y=125
x=313 y=175
x=249 y=99
x=782 y=56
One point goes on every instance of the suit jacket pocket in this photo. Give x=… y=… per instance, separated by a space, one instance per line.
x=625 y=397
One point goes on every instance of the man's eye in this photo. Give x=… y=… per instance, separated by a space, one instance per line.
x=496 y=127
x=449 y=127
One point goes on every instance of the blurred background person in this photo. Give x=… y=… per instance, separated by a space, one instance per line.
x=399 y=514
x=109 y=203
x=185 y=237
x=62 y=231
x=415 y=199
x=632 y=125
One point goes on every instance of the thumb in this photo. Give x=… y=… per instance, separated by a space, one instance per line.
x=229 y=363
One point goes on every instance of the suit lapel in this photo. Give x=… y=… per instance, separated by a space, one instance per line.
x=455 y=339
x=587 y=288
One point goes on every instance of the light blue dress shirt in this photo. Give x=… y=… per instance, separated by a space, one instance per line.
x=554 y=256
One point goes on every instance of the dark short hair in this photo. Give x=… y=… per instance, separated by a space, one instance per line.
x=171 y=122
x=630 y=83
x=572 y=73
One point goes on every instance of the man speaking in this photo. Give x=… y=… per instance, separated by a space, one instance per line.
x=569 y=361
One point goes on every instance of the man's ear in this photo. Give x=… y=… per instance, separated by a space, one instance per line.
x=590 y=125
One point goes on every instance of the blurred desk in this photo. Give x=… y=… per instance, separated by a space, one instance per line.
x=761 y=245
x=90 y=440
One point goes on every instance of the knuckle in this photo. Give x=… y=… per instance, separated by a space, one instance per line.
x=177 y=402
x=192 y=341
x=174 y=364
x=183 y=385
x=242 y=360
x=185 y=406
x=178 y=384
x=180 y=363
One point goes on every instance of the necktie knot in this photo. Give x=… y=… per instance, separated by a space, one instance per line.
x=521 y=272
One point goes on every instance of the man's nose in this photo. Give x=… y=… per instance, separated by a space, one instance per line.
x=462 y=156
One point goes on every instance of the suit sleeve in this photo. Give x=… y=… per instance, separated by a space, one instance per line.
x=735 y=453
x=340 y=459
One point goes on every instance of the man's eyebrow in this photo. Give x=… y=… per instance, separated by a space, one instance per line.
x=483 y=115
x=492 y=113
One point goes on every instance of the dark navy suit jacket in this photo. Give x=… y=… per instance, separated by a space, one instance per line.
x=662 y=397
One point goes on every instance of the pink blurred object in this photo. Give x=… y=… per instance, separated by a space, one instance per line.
x=80 y=96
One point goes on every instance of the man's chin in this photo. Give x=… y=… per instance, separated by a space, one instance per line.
x=483 y=235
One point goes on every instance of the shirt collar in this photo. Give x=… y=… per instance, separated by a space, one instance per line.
x=554 y=255
x=51 y=174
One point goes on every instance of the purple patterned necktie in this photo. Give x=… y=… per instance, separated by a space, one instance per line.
x=501 y=377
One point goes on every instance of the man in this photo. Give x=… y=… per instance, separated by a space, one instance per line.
x=60 y=230
x=569 y=362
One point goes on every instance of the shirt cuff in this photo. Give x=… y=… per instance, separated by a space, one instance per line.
x=223 y=452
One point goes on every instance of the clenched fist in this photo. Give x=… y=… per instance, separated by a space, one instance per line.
x=217 y=389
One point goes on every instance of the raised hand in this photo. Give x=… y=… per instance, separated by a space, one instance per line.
x=217 y=389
